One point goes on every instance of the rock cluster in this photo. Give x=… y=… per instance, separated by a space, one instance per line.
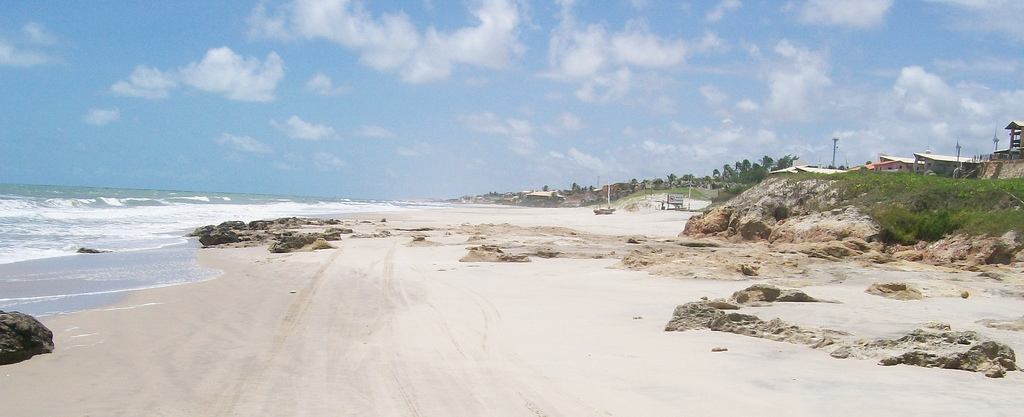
x=895 y=290
x=967 y=351
x=701 y=315
x=280 y=233
x=759 y=294
x=21 y=337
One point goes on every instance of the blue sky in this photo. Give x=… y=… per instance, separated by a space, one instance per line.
x=431 y=98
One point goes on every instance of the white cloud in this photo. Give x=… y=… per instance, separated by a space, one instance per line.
x=327 y=162
x=391 y=42
x=18 y=54
x=849 y=13
x=712 y=95
x=606 y=88
x=747 y=105
x=242 y=143
x=565 y=123
x=586 y=53
x=798 y=85
x=637 y=46
x=417 y=149
x=519 y=132
x=296 y=128
x=224 y=72
x=145 y=82
x=658 y=148
x=602 y=62
x=100 y=117
x=12 y=56
x=923 y=94
x=322 y=85
x=374 y=132
x=721 y=9
x=587 y=161
x=37 y=33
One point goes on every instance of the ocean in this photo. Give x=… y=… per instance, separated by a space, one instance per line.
x=42 y=228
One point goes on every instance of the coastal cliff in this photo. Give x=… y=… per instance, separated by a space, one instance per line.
x=937 y=224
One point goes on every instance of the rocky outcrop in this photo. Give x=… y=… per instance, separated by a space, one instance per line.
x=21 y=337
x=711 y=223
x=701 y=315
x=291 y=241
x=827 y=226
x=965 y=251
x=220 y=234
x=488 y=253
x=763 y=294
x=967 y=351
x=279 y=234
x=787 y=211
x=895 y=290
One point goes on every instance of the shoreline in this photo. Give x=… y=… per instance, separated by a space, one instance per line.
x=388 y=326
x=69 y=284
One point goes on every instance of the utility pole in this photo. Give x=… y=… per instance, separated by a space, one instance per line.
x=958 y=166
x=835 y=144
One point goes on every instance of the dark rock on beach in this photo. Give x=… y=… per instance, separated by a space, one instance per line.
x=765 y=294
x=220 y=234
x=91 y=251
x=280 y=234
x=21 y=337
x=289 y=242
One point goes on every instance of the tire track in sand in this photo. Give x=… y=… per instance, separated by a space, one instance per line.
x=391 y=294
x=292 y=318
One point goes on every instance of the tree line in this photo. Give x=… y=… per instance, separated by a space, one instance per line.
x=740 y=173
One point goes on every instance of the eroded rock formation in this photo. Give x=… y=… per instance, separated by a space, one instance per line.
x=489 y=253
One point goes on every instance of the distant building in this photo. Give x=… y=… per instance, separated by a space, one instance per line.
x=945 y=164
x=888 y=163
x=805 y=168
x=1014 y=150
x=543 y=195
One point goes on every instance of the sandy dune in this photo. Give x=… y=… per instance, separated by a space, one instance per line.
x=385 y=327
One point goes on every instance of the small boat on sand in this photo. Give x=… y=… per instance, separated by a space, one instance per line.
x=608 y=209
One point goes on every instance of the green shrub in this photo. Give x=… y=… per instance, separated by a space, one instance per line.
x=900 y=225
x=912 y=207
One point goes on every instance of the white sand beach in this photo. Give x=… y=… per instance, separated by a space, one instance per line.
x=387 y=326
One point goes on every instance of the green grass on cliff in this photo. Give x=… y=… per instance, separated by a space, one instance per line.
x=913 y=207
